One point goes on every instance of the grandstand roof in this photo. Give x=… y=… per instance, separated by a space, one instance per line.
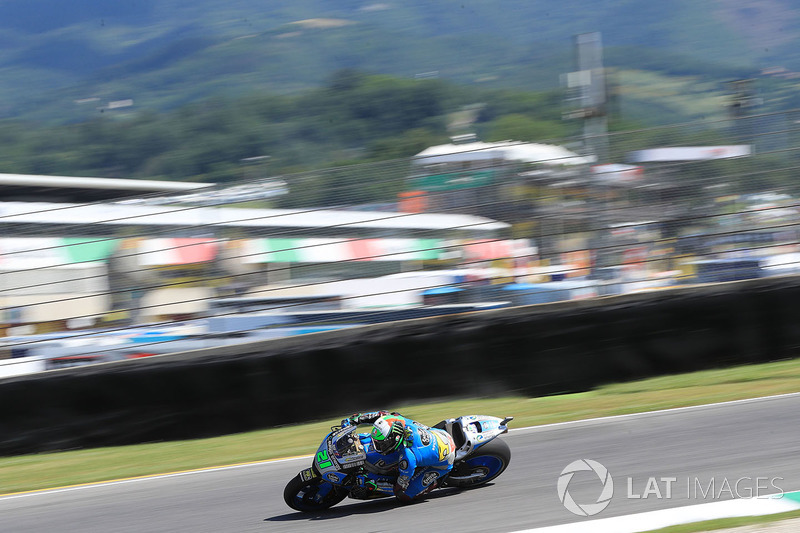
x=547 y=154
x=121 y=213
x=26 y=187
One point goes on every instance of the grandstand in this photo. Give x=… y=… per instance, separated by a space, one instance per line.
x=134 y=259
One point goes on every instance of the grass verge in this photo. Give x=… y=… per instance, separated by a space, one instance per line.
x=39 y=471
x=726 y=523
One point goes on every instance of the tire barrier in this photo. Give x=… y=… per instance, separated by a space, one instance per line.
x=534 y=350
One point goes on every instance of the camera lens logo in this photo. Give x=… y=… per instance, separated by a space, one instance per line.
x=586 y=509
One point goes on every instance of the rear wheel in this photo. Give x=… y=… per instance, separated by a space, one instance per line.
x=313 y=495
x=488 y=462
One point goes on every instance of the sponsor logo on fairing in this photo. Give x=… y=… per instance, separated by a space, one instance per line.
x=424 y=437
x=429 y=478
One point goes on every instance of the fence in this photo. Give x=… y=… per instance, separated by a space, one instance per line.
x=463 y=225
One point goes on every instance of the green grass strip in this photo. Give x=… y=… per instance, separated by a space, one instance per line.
x=47 y=470
x=726 y=523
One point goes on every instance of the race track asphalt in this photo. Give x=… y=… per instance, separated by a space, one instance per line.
x=726 y=442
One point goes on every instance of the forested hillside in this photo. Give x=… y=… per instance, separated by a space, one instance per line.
x=171 y=89
x=64 y=60
x=353 y=117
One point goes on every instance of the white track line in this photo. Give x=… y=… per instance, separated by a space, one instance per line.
x=149 y=478
x=654 y=520
x=588 y=421
x=543 y=427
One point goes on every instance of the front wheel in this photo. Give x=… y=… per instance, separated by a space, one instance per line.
x=488 y=462
x=313 y=495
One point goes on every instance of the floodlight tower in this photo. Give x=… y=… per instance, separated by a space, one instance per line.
x=587 y=94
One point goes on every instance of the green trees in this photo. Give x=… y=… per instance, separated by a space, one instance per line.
x=374 y=117
x=523 y=128
x=354 y=118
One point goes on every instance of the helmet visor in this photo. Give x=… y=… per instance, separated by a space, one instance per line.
x=386 y=445
x=386 y=436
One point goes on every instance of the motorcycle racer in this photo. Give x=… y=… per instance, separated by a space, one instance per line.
x=422 y=455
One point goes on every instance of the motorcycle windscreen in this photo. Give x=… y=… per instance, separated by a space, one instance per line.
x=347 y=448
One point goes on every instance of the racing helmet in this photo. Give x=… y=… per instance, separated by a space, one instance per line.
x=387 y=433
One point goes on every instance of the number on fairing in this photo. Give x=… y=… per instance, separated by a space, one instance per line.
x=323 y=460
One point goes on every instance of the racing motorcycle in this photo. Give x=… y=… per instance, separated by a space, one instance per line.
x=345 y=453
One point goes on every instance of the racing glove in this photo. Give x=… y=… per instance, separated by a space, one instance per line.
x=363 y=418
x=369 y=484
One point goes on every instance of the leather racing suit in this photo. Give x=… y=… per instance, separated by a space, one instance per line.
x=426 y=456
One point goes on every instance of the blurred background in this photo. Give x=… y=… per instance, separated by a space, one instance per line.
x=177 y=176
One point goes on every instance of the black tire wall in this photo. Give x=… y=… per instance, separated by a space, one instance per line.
x=534 y=350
